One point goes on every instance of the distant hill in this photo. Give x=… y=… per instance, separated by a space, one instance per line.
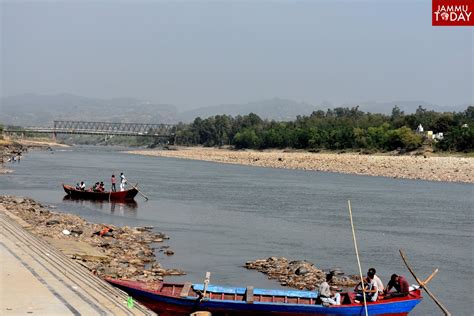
x=41 y=110
x=287 y=110
x=33 y=109
x=406 y=106
x=272 y=109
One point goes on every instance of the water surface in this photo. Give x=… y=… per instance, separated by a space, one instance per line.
x=220 y=216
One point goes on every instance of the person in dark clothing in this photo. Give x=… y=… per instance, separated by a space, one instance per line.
x=400 y=284
x=95 y=188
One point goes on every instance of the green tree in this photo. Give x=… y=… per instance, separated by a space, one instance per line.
x=403 y=138
x=246 y=139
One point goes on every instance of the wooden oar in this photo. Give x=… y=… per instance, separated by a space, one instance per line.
x=358 y=260
x=136 y=188
x=423 y=284
x=428 y=279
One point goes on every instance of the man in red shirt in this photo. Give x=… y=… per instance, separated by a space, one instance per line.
x=400 y=284
x=113 y=180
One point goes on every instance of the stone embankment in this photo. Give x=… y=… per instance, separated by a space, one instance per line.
x=424 y=167
x=106 y=250
x=299 y=274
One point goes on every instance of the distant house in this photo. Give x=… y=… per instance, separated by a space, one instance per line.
x=419 y=129
x=438 y=136
x=465 y=126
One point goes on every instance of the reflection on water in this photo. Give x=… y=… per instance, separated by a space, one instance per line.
x=128 y=208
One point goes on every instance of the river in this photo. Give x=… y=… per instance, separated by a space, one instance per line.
x=219 y=216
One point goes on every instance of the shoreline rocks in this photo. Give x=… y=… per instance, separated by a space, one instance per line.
x=10 y=148
x=7 y=151
x=299 y=274
x=106 y=250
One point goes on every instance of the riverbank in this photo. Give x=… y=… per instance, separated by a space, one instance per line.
x=16 y=148
x=449 y=169
x=106 y=250
x=38 y=279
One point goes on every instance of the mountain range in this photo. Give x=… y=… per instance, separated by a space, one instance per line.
x=41 y=110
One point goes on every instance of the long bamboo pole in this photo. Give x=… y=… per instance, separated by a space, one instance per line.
x=136 y=188
x=358 y=260
x=423 y=285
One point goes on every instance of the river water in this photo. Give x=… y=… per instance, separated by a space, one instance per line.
x=219 y=216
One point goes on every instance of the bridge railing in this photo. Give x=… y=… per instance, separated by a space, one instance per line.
x=100 y=128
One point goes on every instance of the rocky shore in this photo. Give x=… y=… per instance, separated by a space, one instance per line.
x=106 y=250
x=299 y=274
x=7 y=150
x=424 y=167
x=16 y=148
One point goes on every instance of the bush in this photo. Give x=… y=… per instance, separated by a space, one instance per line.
x=246 y=139
x=404 y=138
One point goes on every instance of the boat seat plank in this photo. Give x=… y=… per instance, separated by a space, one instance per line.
x=256 y=291
x=185 y=289
x=249 y=295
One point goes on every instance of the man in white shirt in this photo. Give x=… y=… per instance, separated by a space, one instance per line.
x=123 y=181
x=371 y=291
x=326 y=294
x=377 y=280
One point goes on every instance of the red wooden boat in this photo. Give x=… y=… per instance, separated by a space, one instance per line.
x=182 y=299
x=92 y=195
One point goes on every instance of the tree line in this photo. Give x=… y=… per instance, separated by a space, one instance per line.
x=334 y=129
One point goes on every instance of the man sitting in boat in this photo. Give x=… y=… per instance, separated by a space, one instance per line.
x=82 y=186
x=101 y=187
x=327 y=294
x=95 y=188
x=400 y=284
x=371 y=291
x=377 y=281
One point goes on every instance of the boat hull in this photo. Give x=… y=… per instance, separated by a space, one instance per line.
x=91 y=195
x=175 y=305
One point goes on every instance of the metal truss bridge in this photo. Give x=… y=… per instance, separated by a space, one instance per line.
x=100 y=128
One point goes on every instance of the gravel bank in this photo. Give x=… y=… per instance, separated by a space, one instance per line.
x=450 y=169
x=299 y=274
x=118 y=252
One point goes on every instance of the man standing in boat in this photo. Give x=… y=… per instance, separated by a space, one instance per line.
x=113 y=180
x=328 y=295
x=123 y=181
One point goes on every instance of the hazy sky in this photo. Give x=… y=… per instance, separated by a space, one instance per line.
x=198 y=53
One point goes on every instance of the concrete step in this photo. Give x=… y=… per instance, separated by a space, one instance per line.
x=52 y=284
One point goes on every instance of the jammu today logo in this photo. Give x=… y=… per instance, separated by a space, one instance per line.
x=453 y=13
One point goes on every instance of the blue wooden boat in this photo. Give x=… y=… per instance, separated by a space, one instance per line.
x=183 y=299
